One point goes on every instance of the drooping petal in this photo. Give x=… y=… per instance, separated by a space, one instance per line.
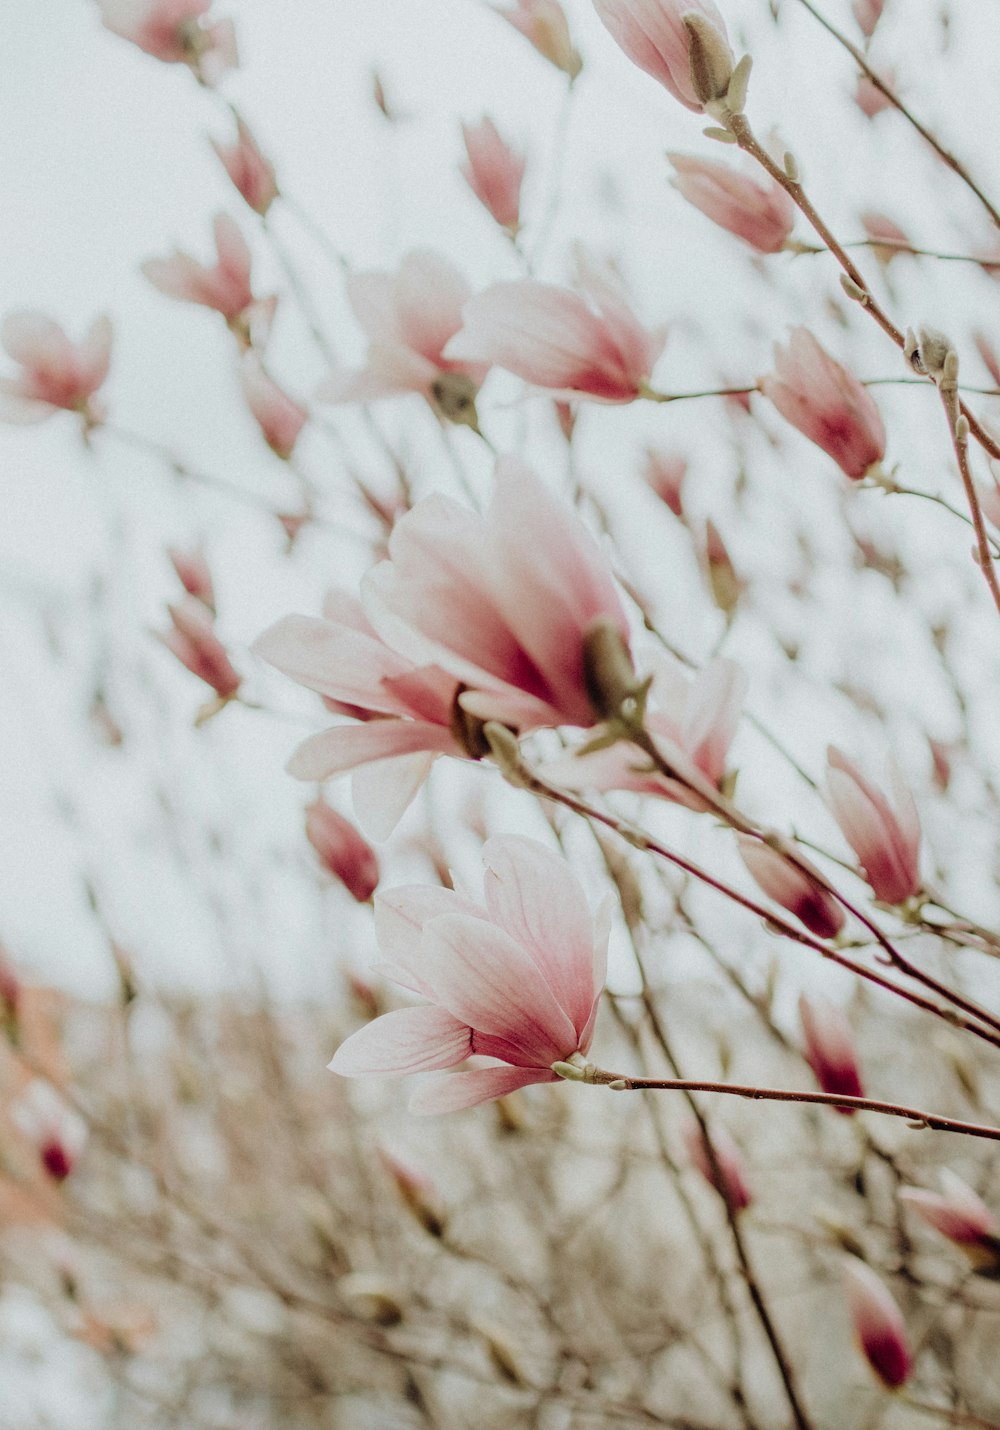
x=408 y=1040
x=456 y=1091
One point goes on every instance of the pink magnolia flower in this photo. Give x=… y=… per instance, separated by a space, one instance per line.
x=654 y=36
x=886 y=840
x=830 y=1049
x=517 y=979
x=665 y=473
x=55 y=373
x=279 y=417
x=224 y=287
x=961 y=1216
x=826 y=403
x=788 y=885
x=252 y=174
x=176 y=32
x=867 y=13
x=877 y=1323
x=728 y=1175
x=194 y=642
x=544 y=23
x=692 y=721
x=869 y=98
x=504 y=602
x=585 y=344
x=760 y=213
x=408 y=317
x=194 y=575
x=494 y=172
x=405 y=714
x=342 y=850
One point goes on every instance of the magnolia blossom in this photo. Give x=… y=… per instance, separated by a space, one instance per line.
x=409 y=317
x=826 y=403
x=279 y=417
x=252 y=174
x=655 y=37
x=665 y=473
x=194 y=575
x=342 y=851
x=516 y=978
x=55 y=372
x=176 y=32
x=830 y=1049
x=886 y=840
x=789 y=885
x=225 y=286
x=692 y=721
x=194 y=642
x=961 y=1216
x=724 y=1168
x=877 y=1323
x=586 y=344
x=494 y=172
x=402 y=714
x=504 y=602
x=759 y=212
x=544 y=23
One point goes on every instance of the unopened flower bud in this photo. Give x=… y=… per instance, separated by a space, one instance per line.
x=829 y=1048
x=790 y=886
x=454 y=396
x=664 y=473
x=48 y=1121
x=372 y=1297
x=709 y=56
x=723 y=1167
x=927 y=352
x=343 y=852
x=417 y=1192
x=961 y=1216
x=725 y=584
x=877 y=1323
x=503 y=1353
x=194 y=642
x=194 y=575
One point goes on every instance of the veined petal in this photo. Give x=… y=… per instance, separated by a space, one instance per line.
x=408 y=1040
x=456 y=1091
x=333 y=660
x=345 y=747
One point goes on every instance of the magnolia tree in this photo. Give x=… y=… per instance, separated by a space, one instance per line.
x=585 y=711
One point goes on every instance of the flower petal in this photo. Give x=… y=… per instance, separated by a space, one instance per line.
x=347 y=746
x=456 y=1091
x=408 y=1040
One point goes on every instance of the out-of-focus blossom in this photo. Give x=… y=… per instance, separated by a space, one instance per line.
x=989 y=495
x=826 y=403
x=342 y=850
x=961 y=1216
x=867 y=13
x=194 y=642
x=494 y=173
x=657 y=36
x=888 y=239
x=790 y=886
x=194 y=575
x=224 y=287
x=723 y=580
x=877 y=1324
x=869 y=98
x=665 y=473
x=47 y=1120
x=760 y=213
x=724 y=1168
x=177 y=32
x=518 y=980
x=830 y=1049
x=55 y=372
x=417 y=1191
x=504 y=602
x=252 y=174
x=988 y=353
x=544 y=23
x=279 y=416
x=579 y=344
x=885 y=839
x=692 y=722
x=409 y=317
x=406 y=713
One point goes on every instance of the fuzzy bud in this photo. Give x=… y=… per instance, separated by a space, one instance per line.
x=877 y=1324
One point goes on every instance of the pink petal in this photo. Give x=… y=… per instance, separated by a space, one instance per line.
x=457 y=1091
x=486 y=978
x=382 y=792
x=400 y=917
x=407 y=1041
x=347 y=746
x=534 y=896
x=34 y=340
x=338 y=662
